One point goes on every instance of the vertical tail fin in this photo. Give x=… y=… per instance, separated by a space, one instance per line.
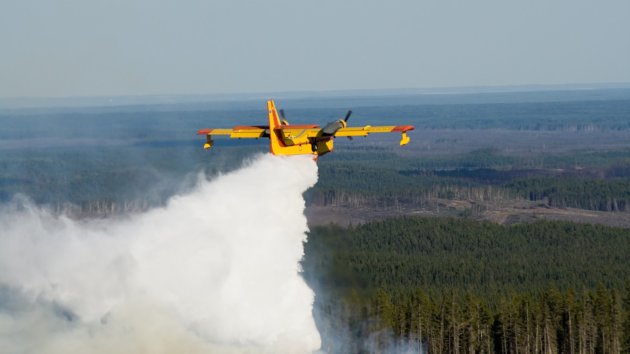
x=275 y=144
x=274 y=119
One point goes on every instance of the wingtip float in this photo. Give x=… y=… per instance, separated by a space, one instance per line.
x=303 y=139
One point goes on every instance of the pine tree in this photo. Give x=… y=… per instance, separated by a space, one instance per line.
x=625 y=346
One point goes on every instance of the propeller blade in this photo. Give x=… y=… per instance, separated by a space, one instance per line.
x=281 y=111
x=347 y=115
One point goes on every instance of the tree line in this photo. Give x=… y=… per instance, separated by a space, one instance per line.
x=550 y=321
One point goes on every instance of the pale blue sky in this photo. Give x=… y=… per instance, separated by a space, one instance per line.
x=137 y=47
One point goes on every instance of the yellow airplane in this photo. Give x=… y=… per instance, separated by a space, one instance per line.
x=286 y=139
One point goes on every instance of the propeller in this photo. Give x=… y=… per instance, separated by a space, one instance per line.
x=346 y=120
x=347 y=116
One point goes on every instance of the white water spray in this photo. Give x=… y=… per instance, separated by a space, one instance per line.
x=213 y=271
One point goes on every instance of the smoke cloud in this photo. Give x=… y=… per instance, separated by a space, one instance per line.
x=214 y=271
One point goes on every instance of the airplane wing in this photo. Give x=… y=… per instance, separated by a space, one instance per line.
x=314 y=131
x=238 y=132
x=368 y=129
x=300 y=134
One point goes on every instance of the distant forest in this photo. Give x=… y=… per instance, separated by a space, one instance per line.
x=119 y=179
x=601 y=180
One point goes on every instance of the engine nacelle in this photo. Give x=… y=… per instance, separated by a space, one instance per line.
x=332 y=127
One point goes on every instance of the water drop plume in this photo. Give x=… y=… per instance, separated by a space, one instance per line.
x=214 y=271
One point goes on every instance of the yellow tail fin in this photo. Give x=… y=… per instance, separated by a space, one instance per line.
x=274 y=119
x=275 y=144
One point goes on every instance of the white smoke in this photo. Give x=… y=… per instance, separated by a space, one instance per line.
x=214 y=271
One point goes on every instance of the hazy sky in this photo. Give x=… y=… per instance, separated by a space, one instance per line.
x=121 y=47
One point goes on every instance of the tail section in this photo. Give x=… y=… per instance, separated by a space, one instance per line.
x=275 y=143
